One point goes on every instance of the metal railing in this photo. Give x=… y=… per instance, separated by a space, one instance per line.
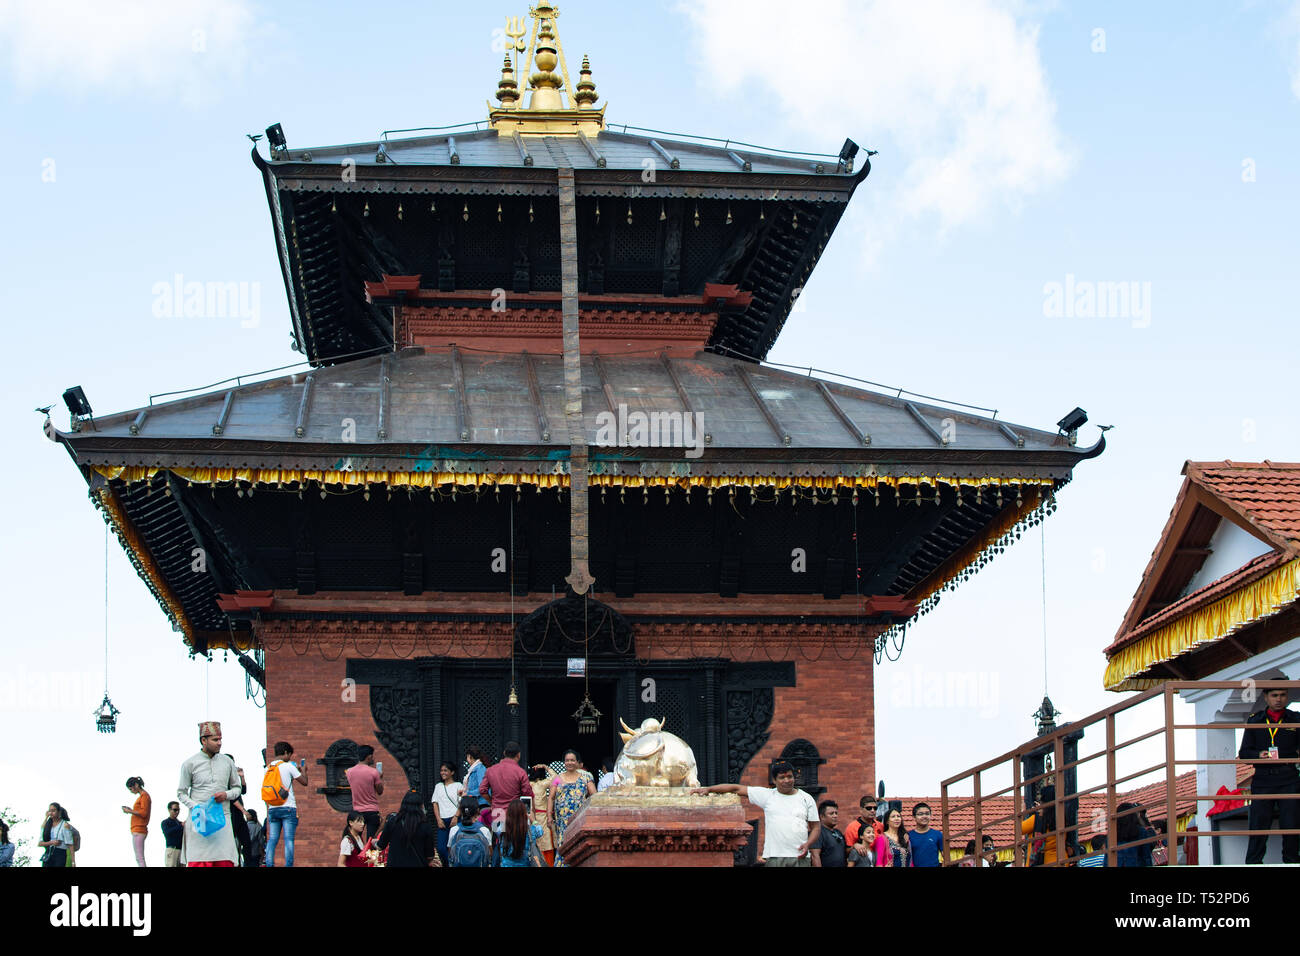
x=1062 y=834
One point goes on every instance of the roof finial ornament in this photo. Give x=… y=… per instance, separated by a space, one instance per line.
x=554 y=105
x=507 y=89
x=586 y=94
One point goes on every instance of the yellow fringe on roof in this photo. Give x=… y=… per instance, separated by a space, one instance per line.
x=556 y=478
x=1213 y=622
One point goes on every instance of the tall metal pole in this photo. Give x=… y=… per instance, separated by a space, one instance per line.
x=579 y=578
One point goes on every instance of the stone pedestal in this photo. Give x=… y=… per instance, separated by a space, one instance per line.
x=655 y=826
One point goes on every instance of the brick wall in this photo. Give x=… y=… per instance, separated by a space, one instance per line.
x=832 y=705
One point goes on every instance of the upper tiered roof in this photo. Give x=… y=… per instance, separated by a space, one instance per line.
x=474 y=208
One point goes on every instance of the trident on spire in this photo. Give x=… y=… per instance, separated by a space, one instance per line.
x=516 y=30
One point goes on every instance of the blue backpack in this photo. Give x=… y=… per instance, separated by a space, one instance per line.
x=467 y=849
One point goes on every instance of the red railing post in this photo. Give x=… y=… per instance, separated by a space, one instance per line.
x=1171 y=779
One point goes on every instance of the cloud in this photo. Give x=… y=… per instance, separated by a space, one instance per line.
x=169 y=49
x=953 y=92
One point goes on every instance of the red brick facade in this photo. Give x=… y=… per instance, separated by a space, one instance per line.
x=311 y=704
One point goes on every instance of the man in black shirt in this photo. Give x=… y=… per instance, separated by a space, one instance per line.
x=1267 y=742
x=829 y=849
x=173 y=830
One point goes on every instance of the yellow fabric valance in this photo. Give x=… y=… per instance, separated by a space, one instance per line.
x=557 y=478
x=1213 y=622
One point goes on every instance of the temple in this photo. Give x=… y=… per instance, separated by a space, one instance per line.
x=535 y=476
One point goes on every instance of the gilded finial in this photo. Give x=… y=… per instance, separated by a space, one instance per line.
x=536 y=94
x=586 y=92
x=507 y=89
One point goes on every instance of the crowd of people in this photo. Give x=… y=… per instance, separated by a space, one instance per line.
x=507 y=814
x=514 y=814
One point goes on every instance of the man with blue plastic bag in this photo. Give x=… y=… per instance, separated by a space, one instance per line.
x=209 y=782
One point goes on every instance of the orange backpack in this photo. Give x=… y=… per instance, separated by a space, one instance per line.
x=273 y=792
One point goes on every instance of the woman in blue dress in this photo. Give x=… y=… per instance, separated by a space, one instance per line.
x=569 y=792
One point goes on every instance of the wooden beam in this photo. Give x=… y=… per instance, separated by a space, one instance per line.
x=462 y=405
x=535 y=393
x=220 y=426
x=304 y=406
x=920 y=420
x=862 y=437
x=384 y=400
x=677 y=384
x=579 y=578
x=591 y=149
x=782 y=435
x=672 y=161
x=605 y=387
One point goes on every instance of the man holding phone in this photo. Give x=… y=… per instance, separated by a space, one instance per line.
x=366 y=778
x=282 y=808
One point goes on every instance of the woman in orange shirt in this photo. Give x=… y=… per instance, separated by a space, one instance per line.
x=139 y=816
x=1047 y=808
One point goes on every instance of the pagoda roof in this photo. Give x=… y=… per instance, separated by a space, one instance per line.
x=486 y=405
x=181 y=475
x=453 y=205
x=470 y=146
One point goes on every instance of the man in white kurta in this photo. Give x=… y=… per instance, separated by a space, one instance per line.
x=209 y=773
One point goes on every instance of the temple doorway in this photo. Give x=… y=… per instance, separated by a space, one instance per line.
x=551 y=728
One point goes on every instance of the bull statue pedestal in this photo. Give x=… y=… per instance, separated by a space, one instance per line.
x=648 y=817
x=656 y=826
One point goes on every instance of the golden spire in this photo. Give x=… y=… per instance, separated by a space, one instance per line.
x=507 y=89
x=554 y=105
x=586 y=94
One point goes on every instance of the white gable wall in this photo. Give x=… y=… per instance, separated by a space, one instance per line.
x=1230 y=548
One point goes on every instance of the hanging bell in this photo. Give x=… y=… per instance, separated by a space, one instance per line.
x=530 y=210
x=464 y=212
x=399 y=211
x=498 y=212
x=729 y=220
x=365 y=211
x=587 y=716
x=662 y=215
x=512 y=701
x=106 y=716
x=697 y=215
x=629 y=213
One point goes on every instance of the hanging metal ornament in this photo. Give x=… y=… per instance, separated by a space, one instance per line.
x=106 y=714
x=587 y=716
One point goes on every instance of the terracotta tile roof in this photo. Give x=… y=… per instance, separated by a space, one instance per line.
x=1151 y=796
x=1267 y=493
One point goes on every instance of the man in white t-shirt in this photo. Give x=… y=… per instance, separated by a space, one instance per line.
x=790 y=822
x=283 y=817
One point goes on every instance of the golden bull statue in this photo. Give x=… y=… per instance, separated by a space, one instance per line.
x=652 y=757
